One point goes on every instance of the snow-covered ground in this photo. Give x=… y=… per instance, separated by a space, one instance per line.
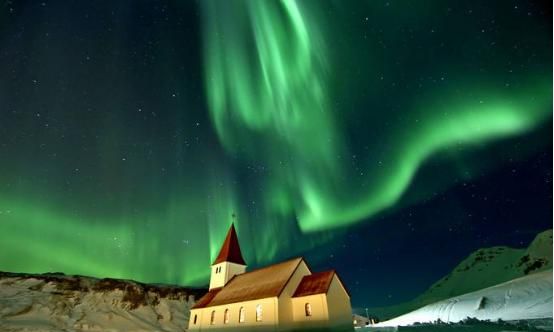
x=481 y=269
x=50 y=303
x=529 y=297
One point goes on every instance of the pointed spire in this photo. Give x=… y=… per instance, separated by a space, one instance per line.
x=230 y=250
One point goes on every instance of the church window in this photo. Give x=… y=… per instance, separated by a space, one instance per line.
x=308 y=309
x=259 y=313
x=212 y=318
x=226 y=316
x=241 y=315
x=195 y=318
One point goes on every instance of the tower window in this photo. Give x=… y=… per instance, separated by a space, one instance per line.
x=241 y=315
x=226 y=316
x=308 y=309
x=195 y=317
x=212 y=318
x=259 y=313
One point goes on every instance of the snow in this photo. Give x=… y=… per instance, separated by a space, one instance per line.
x=481 y=269
x=529 y=297
x=491 y=266
x=48 y=304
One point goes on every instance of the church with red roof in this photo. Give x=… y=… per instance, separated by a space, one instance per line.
x=279 y=297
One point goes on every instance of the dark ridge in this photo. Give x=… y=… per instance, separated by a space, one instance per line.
x=135 y=293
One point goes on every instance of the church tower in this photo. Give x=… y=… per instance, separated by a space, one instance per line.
x=229 y=262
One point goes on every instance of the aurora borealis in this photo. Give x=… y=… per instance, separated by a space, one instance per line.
x=130 y=132
x=282 y=97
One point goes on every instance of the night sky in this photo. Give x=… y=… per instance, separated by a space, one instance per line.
x=384 y=139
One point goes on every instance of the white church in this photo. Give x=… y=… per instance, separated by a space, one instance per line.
x=280 y=297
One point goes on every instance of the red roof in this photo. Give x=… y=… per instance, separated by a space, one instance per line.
x=258 y=284
x=207 y=298
x=317 y=283
x=230 y=250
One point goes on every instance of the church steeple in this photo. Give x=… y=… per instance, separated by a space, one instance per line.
x=230 y=250
x=229 y=262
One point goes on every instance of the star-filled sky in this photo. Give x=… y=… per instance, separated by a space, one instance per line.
x=384 y=139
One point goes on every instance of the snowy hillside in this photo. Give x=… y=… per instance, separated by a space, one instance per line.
x=55 y=302
x=491 y=266
x=483 y=268
x=529 y=297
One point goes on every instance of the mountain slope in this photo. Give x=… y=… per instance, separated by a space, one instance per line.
x=55 y=302
x=529 y=297
x=483 y=268
x=491 y=266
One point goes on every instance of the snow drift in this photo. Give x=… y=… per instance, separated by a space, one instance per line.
x=483 y=268
x=529 y=297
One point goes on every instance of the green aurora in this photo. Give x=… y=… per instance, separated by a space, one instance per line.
x=340 y=129
x=283 y=98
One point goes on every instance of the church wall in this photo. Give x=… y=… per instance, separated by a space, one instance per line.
x=338 y=302
x=198 y=313
x=285 y=299
x=318 y=303
x=269 y=315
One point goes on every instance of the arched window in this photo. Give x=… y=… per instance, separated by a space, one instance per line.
x=259 y=313
x=212 y=318
x=241 y=315
x=308 y=309
x=195 y=317
x=226 y=316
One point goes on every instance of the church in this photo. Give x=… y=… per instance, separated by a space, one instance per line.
x=281 y=297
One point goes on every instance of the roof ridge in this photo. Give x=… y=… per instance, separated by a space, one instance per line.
x=269 y=266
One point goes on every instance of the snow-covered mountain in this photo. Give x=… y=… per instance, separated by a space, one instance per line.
x=56 y=302
x=483 y=268
x=528 y=297
x=491 y=266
